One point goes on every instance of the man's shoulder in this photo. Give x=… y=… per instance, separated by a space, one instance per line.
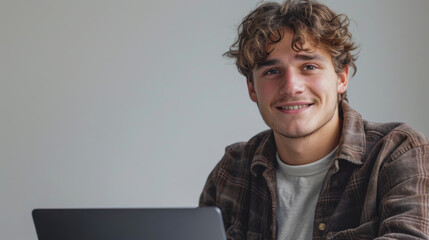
x=251 y=145
x=395 y=131
x=239 y=156
x=394 y=139
x=361 y=134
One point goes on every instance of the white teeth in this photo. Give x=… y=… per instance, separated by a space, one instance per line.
x=294 y=107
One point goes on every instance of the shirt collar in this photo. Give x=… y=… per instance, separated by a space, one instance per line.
x=265 y=154
x=352 y=142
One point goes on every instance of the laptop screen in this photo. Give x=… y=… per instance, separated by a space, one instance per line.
x=129 y=224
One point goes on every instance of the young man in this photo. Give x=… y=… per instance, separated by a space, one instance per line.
x=321 y=171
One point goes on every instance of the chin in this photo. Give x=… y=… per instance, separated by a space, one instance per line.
x=294 y=133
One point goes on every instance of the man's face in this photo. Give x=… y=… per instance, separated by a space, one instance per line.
x=297 y=92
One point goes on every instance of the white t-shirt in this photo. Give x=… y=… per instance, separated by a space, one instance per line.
x=298 y=189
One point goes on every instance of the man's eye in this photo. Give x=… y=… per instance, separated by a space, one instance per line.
x=309 y=67
x=272 y=71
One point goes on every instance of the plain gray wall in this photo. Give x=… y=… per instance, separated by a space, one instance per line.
x=130 y=103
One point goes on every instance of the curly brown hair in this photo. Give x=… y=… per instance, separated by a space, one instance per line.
x=307 y=19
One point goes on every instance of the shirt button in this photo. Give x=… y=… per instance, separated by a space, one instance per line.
x=322 y=227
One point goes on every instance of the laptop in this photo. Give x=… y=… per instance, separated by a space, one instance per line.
x=129 y=224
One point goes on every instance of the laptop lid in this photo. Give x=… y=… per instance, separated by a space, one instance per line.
x=129 y=224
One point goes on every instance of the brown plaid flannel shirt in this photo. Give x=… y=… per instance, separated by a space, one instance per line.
x=376 y=188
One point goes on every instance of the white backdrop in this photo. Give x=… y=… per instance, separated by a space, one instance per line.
x=130 y=103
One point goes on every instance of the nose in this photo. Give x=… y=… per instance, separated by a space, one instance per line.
x=291 y=84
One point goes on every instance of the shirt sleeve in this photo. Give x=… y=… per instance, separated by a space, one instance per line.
x=404 y=193
x=208 y=195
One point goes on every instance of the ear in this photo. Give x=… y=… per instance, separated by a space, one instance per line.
x=343 y=80
x=252 y=92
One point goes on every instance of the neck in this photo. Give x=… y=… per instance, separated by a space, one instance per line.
x=308 y=149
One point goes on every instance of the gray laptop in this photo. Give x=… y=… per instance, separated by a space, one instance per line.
x=129 y=224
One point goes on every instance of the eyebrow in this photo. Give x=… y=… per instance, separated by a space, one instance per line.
x=309 y=57
x=299 y=56
x=267 y=63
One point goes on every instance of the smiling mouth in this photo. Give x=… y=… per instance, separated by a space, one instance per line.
x=294 y=107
